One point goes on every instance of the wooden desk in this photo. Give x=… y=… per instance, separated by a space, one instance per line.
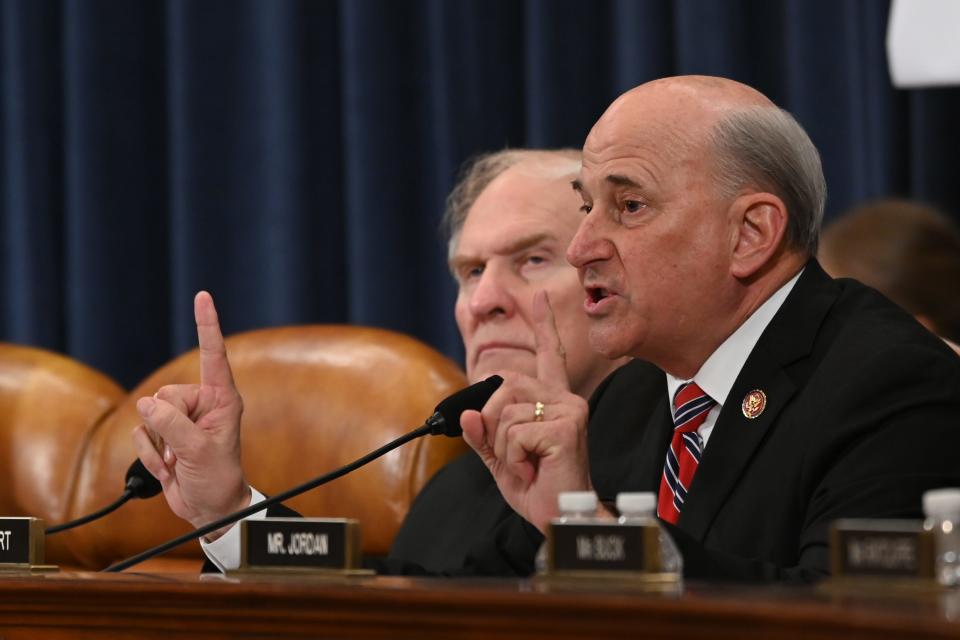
x=89 y=605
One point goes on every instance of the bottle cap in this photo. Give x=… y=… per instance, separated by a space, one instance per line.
x=942 y=503
x=636 y=503
x=577 y=501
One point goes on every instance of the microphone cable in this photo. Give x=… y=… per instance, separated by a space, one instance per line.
x=139 y=484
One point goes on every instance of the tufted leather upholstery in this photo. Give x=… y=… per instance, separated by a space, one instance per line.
x=48 y=406
x=315 y=398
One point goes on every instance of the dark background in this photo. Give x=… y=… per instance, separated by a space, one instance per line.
x=293 y=157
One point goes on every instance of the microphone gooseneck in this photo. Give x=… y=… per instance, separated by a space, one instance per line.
x=445 y=420
x=140 y=483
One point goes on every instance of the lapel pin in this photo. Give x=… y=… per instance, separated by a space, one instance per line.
x=753 y=404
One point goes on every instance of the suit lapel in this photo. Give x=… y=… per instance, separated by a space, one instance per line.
x=656 y=439
x=736 y=439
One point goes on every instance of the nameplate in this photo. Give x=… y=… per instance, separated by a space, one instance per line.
x=598 y=548
x=300 y=543
x=881 y=549
x=21 y=542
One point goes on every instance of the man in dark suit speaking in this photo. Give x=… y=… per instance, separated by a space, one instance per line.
x=768 y=399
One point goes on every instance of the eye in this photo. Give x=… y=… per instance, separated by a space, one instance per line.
x=633 y=206
x=586 y=208
x=531 y=263
x=468 y=273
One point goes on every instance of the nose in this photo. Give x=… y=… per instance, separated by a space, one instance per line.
x=492 y=294
x=588 y=244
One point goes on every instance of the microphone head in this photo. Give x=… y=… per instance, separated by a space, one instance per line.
x=446 y=418
x=141 y=482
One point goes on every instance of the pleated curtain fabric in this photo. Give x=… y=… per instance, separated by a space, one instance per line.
x=293 y=156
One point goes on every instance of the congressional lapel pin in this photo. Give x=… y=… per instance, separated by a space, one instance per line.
x=753 y=404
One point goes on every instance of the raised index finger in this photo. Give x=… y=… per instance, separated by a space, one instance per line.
x=214 y=366
x=551 y=358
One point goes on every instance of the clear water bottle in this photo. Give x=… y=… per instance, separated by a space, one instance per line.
x=577 y=506
x=942 y=510
x=638 y=508
x=574 y=506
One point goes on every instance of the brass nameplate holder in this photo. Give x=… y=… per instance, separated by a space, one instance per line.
x=21 y=545
x=887 y=551
x=622 y=552
x=321 y=545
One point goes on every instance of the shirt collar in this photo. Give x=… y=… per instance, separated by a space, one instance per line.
x=720 y=371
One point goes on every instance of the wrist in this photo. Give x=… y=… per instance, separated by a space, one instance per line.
x=242 y=501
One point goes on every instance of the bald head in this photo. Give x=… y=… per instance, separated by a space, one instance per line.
x=752 y=143
x=706 y=92
x=688 y=107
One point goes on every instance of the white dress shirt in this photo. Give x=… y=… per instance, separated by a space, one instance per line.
x=225 y=550
x=720 y=371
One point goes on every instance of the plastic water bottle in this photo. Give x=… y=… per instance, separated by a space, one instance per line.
x=577 y=506
x=638 y=508
x=574 y=506
x=942 y=510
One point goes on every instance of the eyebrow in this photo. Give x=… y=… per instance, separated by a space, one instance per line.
x=623 y=181
x=518 y=245
x=614 y=178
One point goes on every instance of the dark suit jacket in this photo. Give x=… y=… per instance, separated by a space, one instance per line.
x=862 y=416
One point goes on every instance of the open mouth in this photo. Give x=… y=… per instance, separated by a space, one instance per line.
x=597 y=293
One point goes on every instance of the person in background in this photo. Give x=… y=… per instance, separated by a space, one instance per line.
x=908 y=251
x=510 y=220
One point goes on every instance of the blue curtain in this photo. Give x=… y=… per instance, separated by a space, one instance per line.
x=293 y=157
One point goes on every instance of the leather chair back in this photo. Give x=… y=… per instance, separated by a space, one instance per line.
x=315 y=398
x=49 y=404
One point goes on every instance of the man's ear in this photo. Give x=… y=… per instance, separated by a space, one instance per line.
x=761 y=224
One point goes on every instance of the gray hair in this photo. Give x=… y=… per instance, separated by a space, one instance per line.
x=478 y=172
x=766 y=147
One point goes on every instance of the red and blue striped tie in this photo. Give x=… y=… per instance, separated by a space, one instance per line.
x=690 y=408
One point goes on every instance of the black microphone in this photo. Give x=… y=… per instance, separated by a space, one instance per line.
x=139 y=483
x=445 y=420
x=446 y=417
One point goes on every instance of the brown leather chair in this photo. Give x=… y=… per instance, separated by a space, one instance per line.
x=315 y=398
x=48 y=406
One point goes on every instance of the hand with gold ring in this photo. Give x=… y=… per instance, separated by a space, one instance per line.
x=534 y=454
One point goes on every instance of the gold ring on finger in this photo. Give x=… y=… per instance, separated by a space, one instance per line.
x=538 y=412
